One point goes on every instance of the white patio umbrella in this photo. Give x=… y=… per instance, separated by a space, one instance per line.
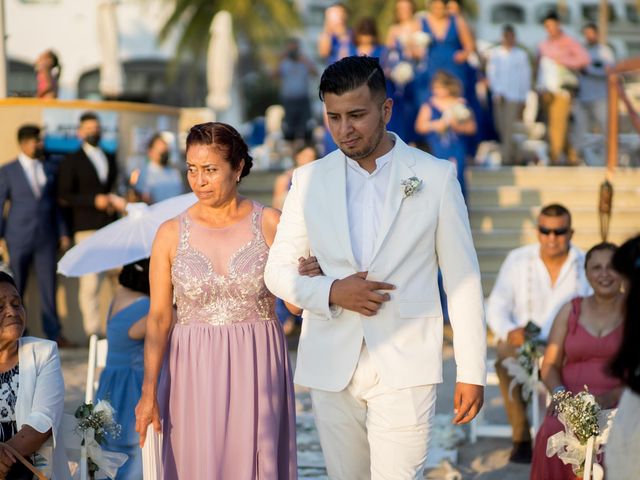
x=111 y=73
x=123 y=241
x=221 y=61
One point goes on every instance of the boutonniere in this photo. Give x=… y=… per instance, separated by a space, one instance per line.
x=411 y=185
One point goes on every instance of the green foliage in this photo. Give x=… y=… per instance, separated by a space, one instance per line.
x=261 y=22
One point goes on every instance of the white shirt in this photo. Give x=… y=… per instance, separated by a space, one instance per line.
x=523 y=290
x=509 y=73
x=99 y=160
x=366 y=193
x=34 y=171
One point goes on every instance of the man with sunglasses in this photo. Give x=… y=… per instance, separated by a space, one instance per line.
x=533 y=283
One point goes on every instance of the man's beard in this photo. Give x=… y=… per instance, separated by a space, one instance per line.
x=368 y=149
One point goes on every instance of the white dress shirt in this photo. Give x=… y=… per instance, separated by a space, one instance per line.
x=509 y=73
x=99 y=160
x=366 y=193
x=523 y=290
x=34 y=172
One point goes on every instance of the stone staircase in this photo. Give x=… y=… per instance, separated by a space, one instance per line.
x=504 y=203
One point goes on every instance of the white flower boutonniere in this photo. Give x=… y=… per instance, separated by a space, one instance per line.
x=411 y=185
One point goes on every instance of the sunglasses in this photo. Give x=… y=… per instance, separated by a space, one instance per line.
x=556 y=231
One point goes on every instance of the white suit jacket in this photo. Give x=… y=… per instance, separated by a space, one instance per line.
x=418 y=234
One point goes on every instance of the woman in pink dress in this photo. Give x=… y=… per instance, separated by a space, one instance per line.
x=584 y=338
x=225 y=399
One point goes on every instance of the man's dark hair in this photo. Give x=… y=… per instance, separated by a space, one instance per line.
x=590 y=25
x=135 y=276
x=86 y=116
x=350 y=73
x=551 y=15
x=507 y=28
x=556 y=210
x=28 y=132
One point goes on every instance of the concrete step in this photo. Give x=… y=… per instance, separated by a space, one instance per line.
x=572 y=198
x=489 y=218
x=551 y=176
x=491 y=260
x=509 y=239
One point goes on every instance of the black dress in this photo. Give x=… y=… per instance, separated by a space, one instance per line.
x=8 y=426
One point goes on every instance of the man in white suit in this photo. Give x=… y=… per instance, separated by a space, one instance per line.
x=380 y=217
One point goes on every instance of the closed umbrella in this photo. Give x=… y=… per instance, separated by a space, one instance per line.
x=152 y=455
x=221 y=61
x=123 y=241
x=111 y=74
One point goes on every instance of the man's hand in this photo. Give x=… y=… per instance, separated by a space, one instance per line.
x=516 y=337
x=467 y=402
x=65 y=243
x=118 y=203
x=101 y=201
x=309 y=267
x=357 y=294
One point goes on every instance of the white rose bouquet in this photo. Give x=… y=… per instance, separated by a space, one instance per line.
x=421 y=39
x=586 y=428
x=524 y=367
x=402 y=73
x=458 y=112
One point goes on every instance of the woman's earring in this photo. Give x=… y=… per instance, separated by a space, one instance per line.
x=238 y=180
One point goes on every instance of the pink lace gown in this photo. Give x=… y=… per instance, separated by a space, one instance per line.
x=586 y=361
x=226 y=391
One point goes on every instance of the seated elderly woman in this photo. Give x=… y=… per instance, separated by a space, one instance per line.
x=31 y=394
x=584 y=338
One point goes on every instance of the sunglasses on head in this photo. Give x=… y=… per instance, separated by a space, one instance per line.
x=556 y=231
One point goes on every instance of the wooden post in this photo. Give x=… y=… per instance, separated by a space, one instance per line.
x=612 y=133
x=603 y=21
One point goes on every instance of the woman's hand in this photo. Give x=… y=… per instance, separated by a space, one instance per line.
x=460 y=56
x=440 y=126
x=147 y=412
x=7 y=460
x=309 y=267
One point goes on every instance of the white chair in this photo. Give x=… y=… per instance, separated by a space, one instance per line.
x=97 y=361
x=480 y=428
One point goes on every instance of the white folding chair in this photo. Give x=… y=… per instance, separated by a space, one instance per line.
x=97 y=361
x=480 y=428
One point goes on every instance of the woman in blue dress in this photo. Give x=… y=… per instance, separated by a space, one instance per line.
x=121 y=380
x=445 y=120
x=451 y=44
x=402 y=54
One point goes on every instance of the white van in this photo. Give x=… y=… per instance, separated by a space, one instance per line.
x=526 y=17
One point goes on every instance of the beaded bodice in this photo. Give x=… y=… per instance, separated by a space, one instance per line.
x=217 y=273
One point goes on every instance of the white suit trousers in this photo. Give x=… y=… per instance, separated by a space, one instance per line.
x=370 y=431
